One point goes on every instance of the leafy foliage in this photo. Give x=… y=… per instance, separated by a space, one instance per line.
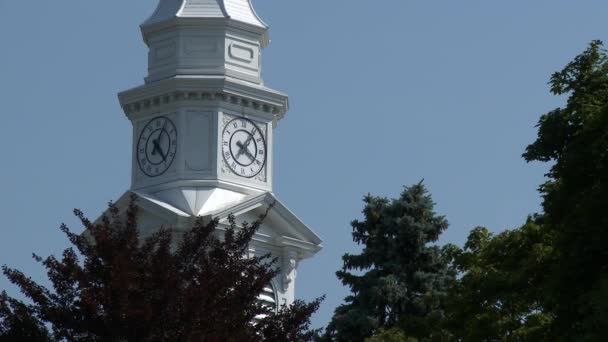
x=575 y=140
x=399 y=277
x=544 y=281
x=548 y=280
x=112 y=286
x=493 y=299
x=391 y=335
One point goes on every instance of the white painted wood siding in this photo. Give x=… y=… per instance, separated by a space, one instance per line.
x=201 y=9
x=239 y=10
x=242 y=10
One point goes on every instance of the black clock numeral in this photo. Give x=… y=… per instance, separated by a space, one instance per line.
x=233 y=165
x=225 y=143
x=227 y=155
x=254 y=131
x=261 y=152
x=258 y=162
x=259 y=140
x=144 y=161
x=244 y=124
x=235 y=125
x=242 y=170
x=141 y=150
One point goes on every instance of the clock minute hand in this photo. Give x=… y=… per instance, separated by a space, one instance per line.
x=248 y=154
x=163 y=129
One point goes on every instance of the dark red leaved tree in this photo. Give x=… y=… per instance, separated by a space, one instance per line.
x=114 y=286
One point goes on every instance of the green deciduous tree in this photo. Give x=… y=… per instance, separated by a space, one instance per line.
x=391 y=335
x=548 y=280
x=575 y=140
x=112 y=286
x=493 y=299
x=399 y=277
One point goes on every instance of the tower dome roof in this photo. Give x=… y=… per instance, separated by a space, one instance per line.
x=238 y=10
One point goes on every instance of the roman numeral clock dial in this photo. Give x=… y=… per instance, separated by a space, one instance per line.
x=243 y=147
x=157 y=146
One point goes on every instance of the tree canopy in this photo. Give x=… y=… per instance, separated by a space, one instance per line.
x=575 y=196
x=400 y=276
x=544 y=281
x=114 y=286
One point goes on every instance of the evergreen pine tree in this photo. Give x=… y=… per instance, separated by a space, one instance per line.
x=400 y=276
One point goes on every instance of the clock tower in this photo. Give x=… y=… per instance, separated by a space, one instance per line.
x=203 y=130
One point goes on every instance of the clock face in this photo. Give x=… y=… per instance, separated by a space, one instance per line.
x=156 y=146
x=243 y=147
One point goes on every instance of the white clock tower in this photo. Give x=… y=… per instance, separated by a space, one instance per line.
x=203 y=130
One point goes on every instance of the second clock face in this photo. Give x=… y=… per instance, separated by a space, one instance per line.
x=243 y=147
x=157 y=146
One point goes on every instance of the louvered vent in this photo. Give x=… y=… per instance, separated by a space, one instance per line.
x=268 y=299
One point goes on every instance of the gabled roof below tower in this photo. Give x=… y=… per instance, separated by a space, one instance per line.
x=292 y=230
x=281 y=228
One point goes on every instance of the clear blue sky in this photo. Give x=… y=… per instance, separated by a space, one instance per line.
x=383 y=94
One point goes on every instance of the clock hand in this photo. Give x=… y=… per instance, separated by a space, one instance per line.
x=155 y=143
x=248 y=141
x=241 y=148
x=158 y=149
x=163 y=129
x=248 y=154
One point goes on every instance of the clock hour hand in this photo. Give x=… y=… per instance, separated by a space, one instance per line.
x=158 y=149
x=243 y=149
x=243 y=146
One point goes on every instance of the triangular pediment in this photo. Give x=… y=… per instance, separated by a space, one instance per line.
x=280 y=229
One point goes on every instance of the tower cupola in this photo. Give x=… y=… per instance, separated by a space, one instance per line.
x=203 y=127
x=205 y=37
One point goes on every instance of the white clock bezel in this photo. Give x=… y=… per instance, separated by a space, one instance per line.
x=243 y=128
x=165 y=127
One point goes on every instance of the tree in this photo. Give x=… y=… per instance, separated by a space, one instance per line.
x=548 y=280
x=391 y=335
x=112 y=286
x=575 y=197
x=493 y=300
x=399 y=278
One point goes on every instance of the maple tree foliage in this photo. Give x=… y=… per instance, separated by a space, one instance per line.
x=112 y=285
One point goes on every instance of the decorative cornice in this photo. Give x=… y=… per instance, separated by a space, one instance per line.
x=204 y=90
x=222 y=96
